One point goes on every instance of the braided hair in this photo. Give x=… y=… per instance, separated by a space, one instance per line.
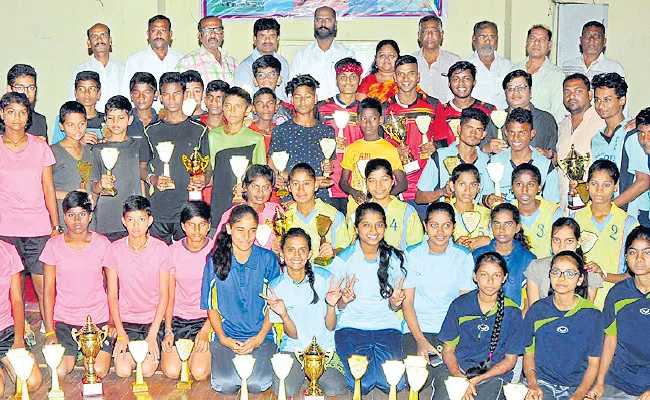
x=309 y=270
x=516 y=216
x=222 y=253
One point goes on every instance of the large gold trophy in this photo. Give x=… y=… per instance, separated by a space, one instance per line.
x=90 y=339
x=195 y=164
x=574 y=166
x=395 y=126
x=281 y=222
x=84 y=168
x=323 y=226
x=314 y=362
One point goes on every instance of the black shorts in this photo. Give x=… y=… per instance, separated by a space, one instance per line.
x=6 y=340
x=64 y=336
x=29 y=249
x=184 y=328
x=168 y=232
x=113 y=236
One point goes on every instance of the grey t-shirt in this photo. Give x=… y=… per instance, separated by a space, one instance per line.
x=66 y=174
x=544 y=125
x=539 y=269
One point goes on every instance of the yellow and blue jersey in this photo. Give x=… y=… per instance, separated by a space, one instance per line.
x=537 y=227
x=484 y=227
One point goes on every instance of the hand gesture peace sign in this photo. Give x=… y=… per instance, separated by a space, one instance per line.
x=398 y=296
x=348 y=292
x=334 y=293
x=275 y=304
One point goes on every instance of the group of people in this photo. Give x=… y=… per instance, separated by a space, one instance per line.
x=359 y=209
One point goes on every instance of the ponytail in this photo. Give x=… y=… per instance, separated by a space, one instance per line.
x=222 y=252
x=309 y=272
x=385 y=253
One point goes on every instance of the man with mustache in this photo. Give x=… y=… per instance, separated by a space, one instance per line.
x=110 y=71
x=318 y=58
x=491 y=68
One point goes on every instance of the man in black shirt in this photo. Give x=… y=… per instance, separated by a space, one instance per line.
x=21 y=78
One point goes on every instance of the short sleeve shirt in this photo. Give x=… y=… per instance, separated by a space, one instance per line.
x=10 y=265
x=66 y=172
x=187 y=267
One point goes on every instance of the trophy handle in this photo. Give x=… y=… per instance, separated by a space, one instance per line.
x=186 y=161
x=328 y=357
x=299 y=353
x=104 y=333
x=75 y=336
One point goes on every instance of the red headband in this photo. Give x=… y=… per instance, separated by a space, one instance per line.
x=357 y=69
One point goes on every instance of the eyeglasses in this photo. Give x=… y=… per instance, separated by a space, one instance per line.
x=518 y=88
x=23 y=89
x=556 y=273
x=266 y=75
x=596 y=36
x=487 y=37
x=427 y=32
x=218 y=30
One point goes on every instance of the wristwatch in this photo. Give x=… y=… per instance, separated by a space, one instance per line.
x=58 y=228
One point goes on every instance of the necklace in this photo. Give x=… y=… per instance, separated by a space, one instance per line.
x=16 y=143
x=137 y=248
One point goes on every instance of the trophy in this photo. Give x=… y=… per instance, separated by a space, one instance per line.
x=416 y=373
x=280 y=160
x=574 y=166
x=456 y=387
x=85 y=168
x=139 y=350
x=109 y=158
x=314 y=361
x=451 y=163
x=361 y=166
x=281 y=222
x=238 y=164
x=341 y=119
x=470 y=219
x=499 y=117
x=195 y=164
x=454 y=124
x=184 y=348
x=358 y=366
x=323 y=225
x=282 y=366
x=189 y=106
x=53 y=354
x=328 y=146
x=515 y=391
x=165 y=151
x=263 y=234
x=244 y=364
x=90 y=339
x=22 y=363
x=423 y=122
x=393 y=370
x=396 y=129
x=495 y=171
x=588 y=241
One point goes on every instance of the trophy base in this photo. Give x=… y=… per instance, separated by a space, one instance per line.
x=184 y=385
x=92 y=389
x=56 y=395
x=282 y=192
x=327 y=181
x=169 y=186
x=195 y=195
x=321 y=397
x=109 y=192
x=425 y=156
x=322 y=261
x=576 y=203
x=411 y=167
x=139 y=387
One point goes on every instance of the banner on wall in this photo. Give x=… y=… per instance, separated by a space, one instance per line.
x=305 y=8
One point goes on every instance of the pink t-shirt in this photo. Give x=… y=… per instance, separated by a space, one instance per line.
x=265 y=217
x=79 y=279
x=188 y=266
x=10 y=264
x=22 y=202
x=139 y=278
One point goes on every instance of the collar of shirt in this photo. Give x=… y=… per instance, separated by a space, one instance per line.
x=341 y=104
x=399 y=103
x=599 y=60
x=99 y=64
x=251 y=263
x=618 y=127
x=335 y=47
x=498 y=63
x=137 y=120
x=204 y=53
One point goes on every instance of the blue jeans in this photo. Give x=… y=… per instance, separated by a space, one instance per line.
x=379 y=346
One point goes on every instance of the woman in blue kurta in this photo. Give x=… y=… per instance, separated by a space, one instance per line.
x=374 y=290
x=563 y=335
x=235 y=274
x=625 y=363
x=481 y=334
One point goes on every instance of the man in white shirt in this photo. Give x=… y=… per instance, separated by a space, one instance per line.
x=592 y=60
x=318 y=58
x=100 y=45
x=491 y=68
x=433 y=62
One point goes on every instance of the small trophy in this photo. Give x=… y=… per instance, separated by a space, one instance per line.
x=587 y=241
x=281 y=222
x=109 y=158
x=456 y=387
x=454 y=124
x=423 y=122
x=138 y=350
x=314 y=361
x=189 y=106
x=280 y=160
x=495 y=171
x=85 y=168
x=358 y=366
x=244 y=364
x=238 y=164
x=341 y=119
x=323 y=225
x=328 y=146
x=393 y=370
x=165 y=151
x=195 y=164
x=515 y=391
x=90 y=339
x=53 y=354
x=574 y=166
x=470 y=219
x=361 y=166
x=263 y=234
x=282 y=366
x=396 y=129
x=416 y=373
x=499 y=117
x=451 y=162
x=184 y=348
x=22 y=363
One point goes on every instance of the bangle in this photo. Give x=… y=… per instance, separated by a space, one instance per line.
x=121 y=338
x=148 y=179
x=168 y=334
x=330 y=304
x=49 y=333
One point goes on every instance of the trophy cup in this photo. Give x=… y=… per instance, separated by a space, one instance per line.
x=184 y=348
x=22 y=363
x=470 y=219
x=456 y=387
x=244 y=364
x=109 y=158
x=281 y=222
x=358 y=366
x=189 y=106
x=90 y=339
x=361 y=166
x=454 y=124
x=280 y=160
x=195 y=164
x=423 y=122
x=393 y=370
x=314 y=361
x=451 y=163
x=328 y=146
x=515 y=391
x=165 y=151
x=499 y=117
x=53 y=354
x=588 y=241
x=396 y=129
x=138 y=350
x=574 y=166
x=495 y=171
x=238 y=164
x=323 y=225
x=85 y=168
x=263 y=234
x=416 y=373
x=341 y=119
x=282 y=366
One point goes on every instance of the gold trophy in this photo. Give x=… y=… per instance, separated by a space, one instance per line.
x=165 y=151
x=456 y=387
x=22 y=362
x=358 y=366
x=139 y=350
x=328 y=146
x=85 y=168
x=280 y=160
x=450 y=163
x=574 y=166
x=90 y=339
x=416 y=373
x=281 y=222
x=184 y=348
x=323 y=225
x=195 y=164
x=109 y=158
x=454 y=124
x=53 y=354
x=423 y=122
x=393 y=370
x=244 y=364
x=396 y=129
x=341 y=119
x=314 y=361
x=238 y=164
x=499 y=117
x=282 y=364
